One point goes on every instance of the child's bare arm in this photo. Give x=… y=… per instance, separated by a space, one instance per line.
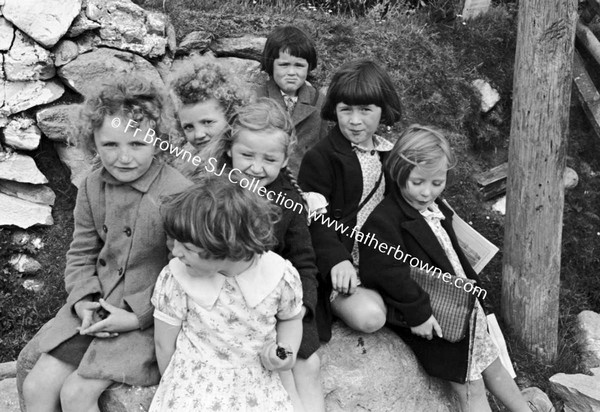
x=165 y=338
x=282 y=355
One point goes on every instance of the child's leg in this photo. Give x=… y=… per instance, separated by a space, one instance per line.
x=472 y=396
x=308 y=383
x=287 y=379
x=499 y=383
x=80 y=394
x=41 y=387
x=363 y=311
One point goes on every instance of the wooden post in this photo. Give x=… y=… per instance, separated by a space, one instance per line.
x=535 y=193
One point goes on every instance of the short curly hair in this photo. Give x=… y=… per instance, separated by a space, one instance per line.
x=128 y=96
x=200 y=78
x=222 y=218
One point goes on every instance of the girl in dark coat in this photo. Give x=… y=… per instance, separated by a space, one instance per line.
x=259 y=145
x=411 y=224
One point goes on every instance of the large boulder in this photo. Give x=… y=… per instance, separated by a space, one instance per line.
x=9 y=399
x=581 y=393
x=80 y=73
x=26 y=60
x=360 y=372
x=20 y=96
x=48 y=23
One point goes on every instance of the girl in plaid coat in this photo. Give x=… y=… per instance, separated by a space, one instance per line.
x=412 y=218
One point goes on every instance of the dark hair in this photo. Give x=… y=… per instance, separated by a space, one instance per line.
x=363 y=82
x=127 y=95
x=222 y=218
x=288 y=39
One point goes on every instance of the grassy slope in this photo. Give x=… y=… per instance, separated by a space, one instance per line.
x=432 y=63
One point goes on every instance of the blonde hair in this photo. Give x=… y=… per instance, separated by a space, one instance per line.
x=423 y=147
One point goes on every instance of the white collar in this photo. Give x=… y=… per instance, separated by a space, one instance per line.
x=379 y=144
x=255 y=283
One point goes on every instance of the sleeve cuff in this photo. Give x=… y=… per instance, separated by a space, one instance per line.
x=166 y=318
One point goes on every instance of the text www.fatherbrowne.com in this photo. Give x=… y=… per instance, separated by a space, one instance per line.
x=314 y=216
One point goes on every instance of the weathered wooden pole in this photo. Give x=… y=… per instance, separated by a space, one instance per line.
x=535 y=192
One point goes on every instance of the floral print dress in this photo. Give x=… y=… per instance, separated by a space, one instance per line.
x=225 y=322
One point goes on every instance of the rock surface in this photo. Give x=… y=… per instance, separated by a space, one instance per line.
x=50 y=21
x=570 y=178
x=489 y=95
x=195 y=41
x=9 y=398
x=81 y=24
x=55 y=121
x=75 y=160
x=20 y=96
x=64 y=52
x=581 y=393
x=24 y=214
x=7 y=34
x=248 y=46
x=26 y=60
x=376 y=372
x=33 y=193
x=247 y=71
x=8 y=370
x=104 y=63
x=25 y=264
x=588 y=337
x=22 y=133
x=20 y=168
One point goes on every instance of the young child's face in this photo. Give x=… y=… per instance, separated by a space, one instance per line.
x=259 y=154
x=358 y=123
x=202 y=122
x=423 y=187
x=123 y=151
x=198 y=266
x=289 y=72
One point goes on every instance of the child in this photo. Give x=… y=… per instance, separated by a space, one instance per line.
x=104 y=333
x=288 y=57
x=413 y=219
x=206 y=95
x=259 y=146
x=346 y=168
x=224 y=304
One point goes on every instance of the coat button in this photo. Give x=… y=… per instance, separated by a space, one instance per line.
x=120 y=271
x=102 y=262
x=104 y=228
x=127 y=231
x=337 y=213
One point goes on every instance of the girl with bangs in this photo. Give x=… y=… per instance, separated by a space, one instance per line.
x=228 y=312
x=346 y=168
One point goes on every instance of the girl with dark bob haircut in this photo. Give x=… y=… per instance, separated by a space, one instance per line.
x=288 y=39
x=363 y=82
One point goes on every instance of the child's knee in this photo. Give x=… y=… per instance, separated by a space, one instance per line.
x=371 y=320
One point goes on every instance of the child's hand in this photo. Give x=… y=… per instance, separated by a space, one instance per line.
x=86 y=310
x=118 y=320
x=344 y=278
x=277 y=357
x=427 y=328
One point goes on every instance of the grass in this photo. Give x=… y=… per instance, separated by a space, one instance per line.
x=432 y=59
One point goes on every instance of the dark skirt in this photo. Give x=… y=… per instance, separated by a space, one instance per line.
x=72 y=350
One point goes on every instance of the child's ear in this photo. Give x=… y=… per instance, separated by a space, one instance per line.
x=228 y=152
x=285 y=162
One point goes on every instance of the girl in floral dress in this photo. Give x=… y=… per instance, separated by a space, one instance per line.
x=228 y=312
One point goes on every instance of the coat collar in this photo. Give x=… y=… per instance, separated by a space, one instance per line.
x=420 y=230
x=255 y=283
x=142 y=184
x=303 y=108
x=340 y=143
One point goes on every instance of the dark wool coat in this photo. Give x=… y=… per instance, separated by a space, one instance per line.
x=332 y=169
x=310 y=128
x=294 y=244
x=117 y=252
x=396 y=223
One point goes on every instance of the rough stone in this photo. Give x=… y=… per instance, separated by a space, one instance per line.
x=24 y=214
x=20 y=96
x=376 y=372
x=22 y=133
x=34 y=285
x=74 y=158
x=8 y=370
x=105 y=63
x=246 y=70
x=489 y=95
x=588 y=337
x=64 y=52
x=32 y=193
x=581 y=393
x=570 y=178
x=26 y=60
x=50 y=21
x=7 y=34
x=195 y=41
x=474 y=8
x=538 y=398
x=25 y=264
x=55 y=121
x=9 y=399
x=20 y=168
x=500 y=205
x=80 y=25
x=247 y=46
x=87 y=42
x=126 y=26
